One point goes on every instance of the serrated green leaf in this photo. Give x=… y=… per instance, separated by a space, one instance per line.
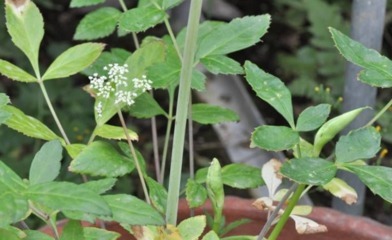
x=6 y=234
x=146 y=106
x=209 y=114
x=131 y=210
x=198 y=81
x=240 y=33
x=28 y=125
x=167 y=4
x=192 y=228
x=46 y=163
x=13 y=208
x=220 y=64
x=101 y=159
x=158 y=194
x=242 y=176
x=114 y=132
x=141 y=18
x=274 y=138
x=196 y=194
x=101 y=186
x=68 y=196
x=73 y=230
x=377 y=178
x=74 y=149
x=4 y=99
x=97 y=24
x=116 y=55
x=73 y=60
x=36 y=235
x=312 y=171
x=377 y=68
x=313 y=117
x=271 y=89
x=15 y=73
x=85 y=3
x=99 y=234
x=332 y=127
x=26 y=27
x=363 y=143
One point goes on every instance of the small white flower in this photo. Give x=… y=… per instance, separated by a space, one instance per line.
x=116 y=82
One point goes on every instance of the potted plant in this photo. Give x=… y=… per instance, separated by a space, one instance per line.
x=119 y=82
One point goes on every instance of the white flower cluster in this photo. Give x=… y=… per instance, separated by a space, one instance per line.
x=117 y=83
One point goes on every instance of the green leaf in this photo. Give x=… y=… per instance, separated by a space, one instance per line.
x=192 y=228
x=97 y=24
x=101 y=159
x=26 y=27
x=142 y=18
x=131 y=210
x=28 y=125
x=7 y=234
x=377 y=178
x=240 y=33
x=198 y=80
x=68 y=196
x=196 y=194
x=377 y=68
x=332 y=127
x=74 y=149
x=4 y=115
x=274 y=138
x=101 y=186
x=127 y=151
x=313 y=117
x=158 y=194
x=242 y=176
x=211 y=235
x=15 y=73
x=114 y=132
x=312 y=171
x=72 y=231
x=209 y=114
x=4 y=99
x=46 y=163
x=73 y=60
x=116 y=55
x=10 y=181
x=85 y=3
x=215 y=192
x=13 y=208
x=91 y=233
x=271 y=89
x=146 y=106
x=220 y=64
x=167 y=4
x=36 y=235
x=361 y=143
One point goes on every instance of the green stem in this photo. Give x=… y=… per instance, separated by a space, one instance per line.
x=167 y=135
x=173 y=38
x=182 y=111
x=56 y=119
x=378 y=115
x=285 y=216
x=133 y=152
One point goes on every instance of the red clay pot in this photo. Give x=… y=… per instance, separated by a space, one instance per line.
x=340 y=226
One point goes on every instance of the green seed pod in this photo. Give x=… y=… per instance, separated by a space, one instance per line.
x=332 y=127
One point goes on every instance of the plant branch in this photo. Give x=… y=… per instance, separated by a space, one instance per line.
x=285 y=216
x=381 y=112
x=133 y=152
x=182 y=111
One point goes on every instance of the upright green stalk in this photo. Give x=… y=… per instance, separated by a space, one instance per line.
x=182 y=111
x=285 y=216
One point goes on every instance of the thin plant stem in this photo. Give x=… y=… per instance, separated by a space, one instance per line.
x=190 y=139
x=173 y=38
x=133 y=152
x=155 y=145
x=285 y=216
x=53 y=112
x=275 y=213
x=381 y=112
x=167 y=137
x=182 y=112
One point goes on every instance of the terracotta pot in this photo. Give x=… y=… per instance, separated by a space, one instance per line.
x=340 y=226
